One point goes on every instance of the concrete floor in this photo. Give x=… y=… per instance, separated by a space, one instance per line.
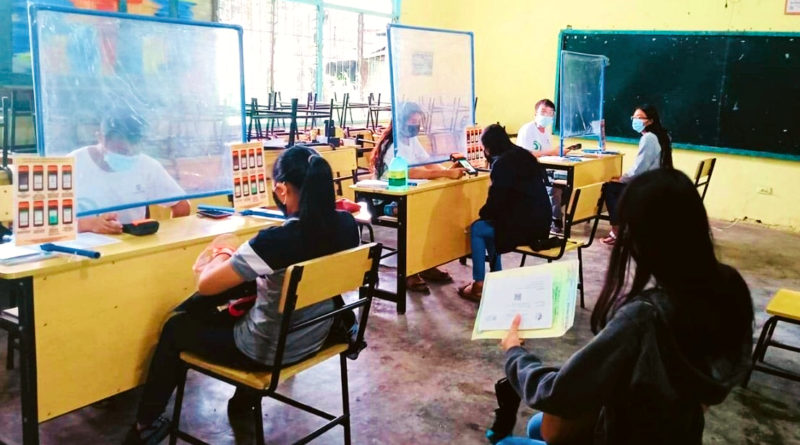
x=423 y=381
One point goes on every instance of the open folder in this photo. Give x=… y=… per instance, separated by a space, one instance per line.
x=544 y=295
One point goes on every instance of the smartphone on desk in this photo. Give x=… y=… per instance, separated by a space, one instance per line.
x=214 y=214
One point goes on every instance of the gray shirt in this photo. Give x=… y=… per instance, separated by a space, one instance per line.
x=648 y=158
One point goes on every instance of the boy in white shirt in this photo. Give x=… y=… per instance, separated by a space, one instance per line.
x=534 y=137
x=115 y=172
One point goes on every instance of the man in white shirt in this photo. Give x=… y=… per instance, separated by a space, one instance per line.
x=535 y=138
x=114 y=172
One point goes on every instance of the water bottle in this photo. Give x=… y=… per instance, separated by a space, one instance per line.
x=398 y=173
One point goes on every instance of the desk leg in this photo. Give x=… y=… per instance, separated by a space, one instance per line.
x=27 y=360
x=402 y=239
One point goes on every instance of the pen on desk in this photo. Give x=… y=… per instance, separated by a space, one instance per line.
x=50 y=247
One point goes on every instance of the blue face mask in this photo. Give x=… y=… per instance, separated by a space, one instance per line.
x=638 y=125
x=544 y=121
x=120 y=163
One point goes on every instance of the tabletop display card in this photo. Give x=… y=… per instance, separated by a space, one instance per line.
x=44 y=200
x=249 y=176
x=544 y=295
x=474 y=148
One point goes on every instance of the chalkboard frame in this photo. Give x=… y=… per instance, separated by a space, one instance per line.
x=686 y=146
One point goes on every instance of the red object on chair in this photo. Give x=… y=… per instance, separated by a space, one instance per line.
x=347 y=205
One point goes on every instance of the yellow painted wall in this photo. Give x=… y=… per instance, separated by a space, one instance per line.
x=515 y=65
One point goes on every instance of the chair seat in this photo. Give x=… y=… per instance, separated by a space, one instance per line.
x=549 y=253
x=261 y=379
x=785 y=303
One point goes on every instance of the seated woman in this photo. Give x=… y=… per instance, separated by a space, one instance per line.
x=517 y=210
x=663 y=352
x=304 y=191
x=655 y=151
x=413 y=152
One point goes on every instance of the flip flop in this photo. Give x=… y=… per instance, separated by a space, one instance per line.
x=469 y=295
x=415 y=283
x=436 y=275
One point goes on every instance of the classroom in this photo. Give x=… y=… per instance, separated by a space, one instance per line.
x=399 y=221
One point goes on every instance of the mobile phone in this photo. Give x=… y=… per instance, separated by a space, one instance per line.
x=215 y=214
x=463 y=163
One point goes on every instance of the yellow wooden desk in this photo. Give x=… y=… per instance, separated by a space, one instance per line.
x=88 y=327
x=433 y=222
x=587 y=170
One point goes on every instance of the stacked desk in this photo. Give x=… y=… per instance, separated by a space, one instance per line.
x=88 y=327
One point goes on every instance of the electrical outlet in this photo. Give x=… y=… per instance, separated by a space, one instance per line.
x=764 y=190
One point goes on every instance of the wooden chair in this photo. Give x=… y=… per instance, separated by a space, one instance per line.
x=344 y=165
x=586 y=206
x=703 y=175
x=305 y=284
x=784 y=306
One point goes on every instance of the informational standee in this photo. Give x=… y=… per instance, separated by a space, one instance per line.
x=161 y=99
x=433 y=93
x=580 y=95
x=543 y=295
x=249 y=176
x=474 y=147
x=44 y=200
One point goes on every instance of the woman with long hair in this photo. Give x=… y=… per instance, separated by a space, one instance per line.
x=410 y=148
x=517 y=210
x=303 y=189
x=669 y=344
x=655 y=151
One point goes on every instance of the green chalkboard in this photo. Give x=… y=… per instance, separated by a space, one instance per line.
x=731 y=92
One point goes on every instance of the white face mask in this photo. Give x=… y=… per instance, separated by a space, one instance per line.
x=544 y=121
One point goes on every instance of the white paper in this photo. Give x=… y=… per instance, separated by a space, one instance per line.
x=372 y=183
x=531 y=296
x=88 y=240
x=9 y=251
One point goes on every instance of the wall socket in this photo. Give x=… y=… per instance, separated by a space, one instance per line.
x=764 y=190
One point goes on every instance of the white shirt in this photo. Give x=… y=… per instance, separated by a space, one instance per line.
x=413 y=152
x=145 y=181
x=532 y=139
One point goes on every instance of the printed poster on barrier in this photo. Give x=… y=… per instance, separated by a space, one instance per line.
x=44 y=200
x=249 y=176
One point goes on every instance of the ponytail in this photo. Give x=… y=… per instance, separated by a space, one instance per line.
x=311 y=175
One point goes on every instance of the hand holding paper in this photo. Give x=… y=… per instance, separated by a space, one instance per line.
x=512 y=338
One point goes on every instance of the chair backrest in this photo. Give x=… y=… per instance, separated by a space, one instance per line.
x=342 y=161
x=321 y=279
x=324 y=278
x=587 y=209
x=590 y=205
x=703 y=175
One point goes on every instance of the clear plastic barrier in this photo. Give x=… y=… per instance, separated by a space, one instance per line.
x=580 y=104
x=432 y=92
x=147 y=107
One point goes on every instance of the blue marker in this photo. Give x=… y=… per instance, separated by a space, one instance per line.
x=50 y=247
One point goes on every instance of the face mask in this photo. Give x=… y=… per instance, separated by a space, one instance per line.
x=120 y=163
x=412 y=130
x=281 y=206
x=638 y=125
x=544 y=121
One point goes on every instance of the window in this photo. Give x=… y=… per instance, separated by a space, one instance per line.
x=324 y=47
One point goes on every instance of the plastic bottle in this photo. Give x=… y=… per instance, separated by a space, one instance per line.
x=398 y=173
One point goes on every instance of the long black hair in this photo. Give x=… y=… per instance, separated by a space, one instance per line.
x=664 y=229
x=310 y=174
x=495 y=142
x=661 y=133
x=407 y=110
